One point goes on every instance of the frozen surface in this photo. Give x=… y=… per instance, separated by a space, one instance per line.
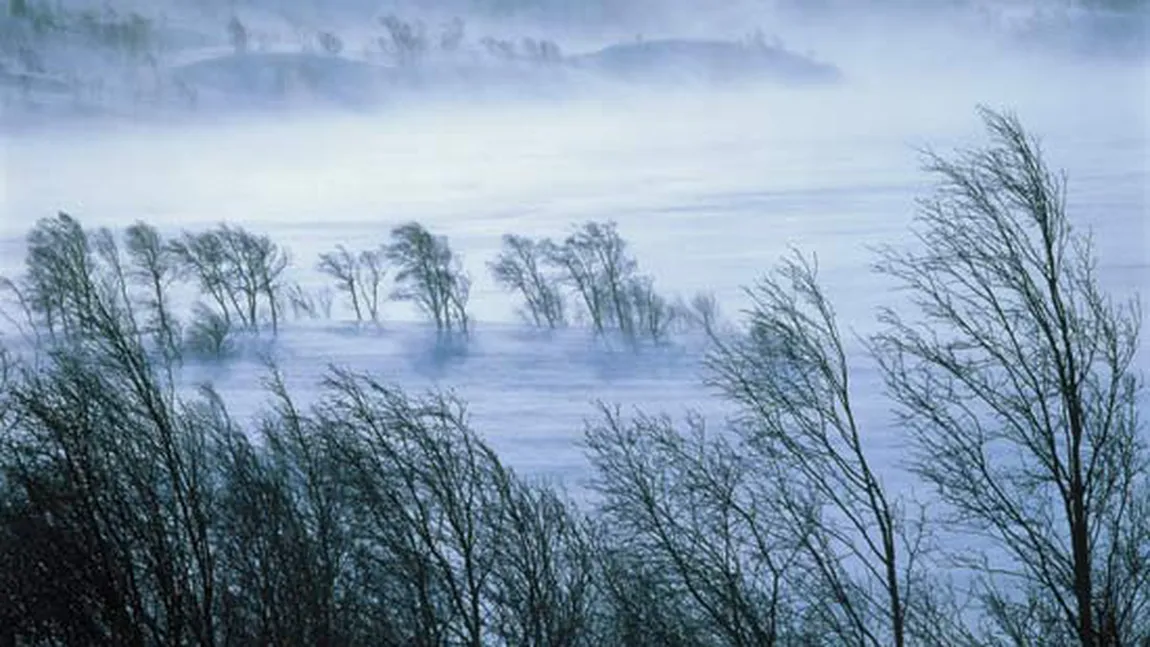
x=710 y=189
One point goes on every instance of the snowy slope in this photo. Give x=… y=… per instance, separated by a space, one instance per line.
x=710 y=190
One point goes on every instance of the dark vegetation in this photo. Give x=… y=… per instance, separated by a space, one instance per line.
x=132 y=513
x=593 y=268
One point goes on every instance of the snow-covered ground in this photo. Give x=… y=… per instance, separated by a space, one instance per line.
x=710 y=189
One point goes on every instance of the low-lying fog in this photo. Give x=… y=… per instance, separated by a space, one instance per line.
x=710 y=185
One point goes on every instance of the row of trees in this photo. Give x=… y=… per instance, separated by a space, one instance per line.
x=594 y=267
x=237 y=281
x=590 y=274
x=408 y=43
x=132 y=515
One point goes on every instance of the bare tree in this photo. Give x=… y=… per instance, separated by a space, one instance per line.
x=255 y=265
x=329 y=43
x=238 y=35
x=155 y=267
x=693 y=521
x=520 y=267
x=204 y=259
x=595 y=264
x=373 y=264
x=344 y=267
x=406 y=42
x=1016 y=383
x=430 y=275
x=239 y=270
x=652 y=314
x=102 y=462
x=452 y=34
x=790 y=376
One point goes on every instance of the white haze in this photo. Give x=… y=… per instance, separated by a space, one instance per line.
x=710 y=186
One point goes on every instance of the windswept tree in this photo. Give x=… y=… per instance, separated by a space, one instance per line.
x=104 y=484
x=238 y=35
x=789 y=375
x=405 y=42
x=154 y=267
x=691 y=552
x=430 y=275
x=595 y=264
x=242 y=272
x=204 y=260
x=343 y=266
x=373 y=265
x=521 y=267
x=255 y=265
x=1015 y=381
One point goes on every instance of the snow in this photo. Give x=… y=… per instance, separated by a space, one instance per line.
x=710 y=189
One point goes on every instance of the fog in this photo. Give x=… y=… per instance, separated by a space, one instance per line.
x=710 y=182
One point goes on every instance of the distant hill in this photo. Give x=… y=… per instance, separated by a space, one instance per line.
x=709 y=60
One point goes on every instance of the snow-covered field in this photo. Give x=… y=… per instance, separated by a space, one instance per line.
x=709 y=188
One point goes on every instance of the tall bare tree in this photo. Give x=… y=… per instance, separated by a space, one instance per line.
x=1015 y=380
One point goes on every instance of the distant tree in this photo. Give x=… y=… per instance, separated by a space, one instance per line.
x=238 y=35
x=241 y=272
x=204 y=259
x=360 y=276
x=595 y=263
x=373 y=264
x=502 y=50
x=653 y=316
x=452 y=35
x=430 y=275
x=540 y=51
x=155 y=267
x=521 y=267
x=330 y=43
x=406 y=42
x=343 y=266
x=209 y=334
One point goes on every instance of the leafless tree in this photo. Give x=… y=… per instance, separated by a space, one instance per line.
x=239 y=270
x=595 y=264
x=344 y=267
x=255 y=265
x=238 y=35
x=790 y=377
x=521 y=267
x=430 y=275
x=693 y=520
x=406 y=42
x=101 y=461
x=155 y=268
x=653 y=316
x=452 y=34
x=204 y=259
x=330 y=43
x=1015 y=380
x=373 y=264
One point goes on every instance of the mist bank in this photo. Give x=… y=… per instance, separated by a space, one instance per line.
x=64 y=61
